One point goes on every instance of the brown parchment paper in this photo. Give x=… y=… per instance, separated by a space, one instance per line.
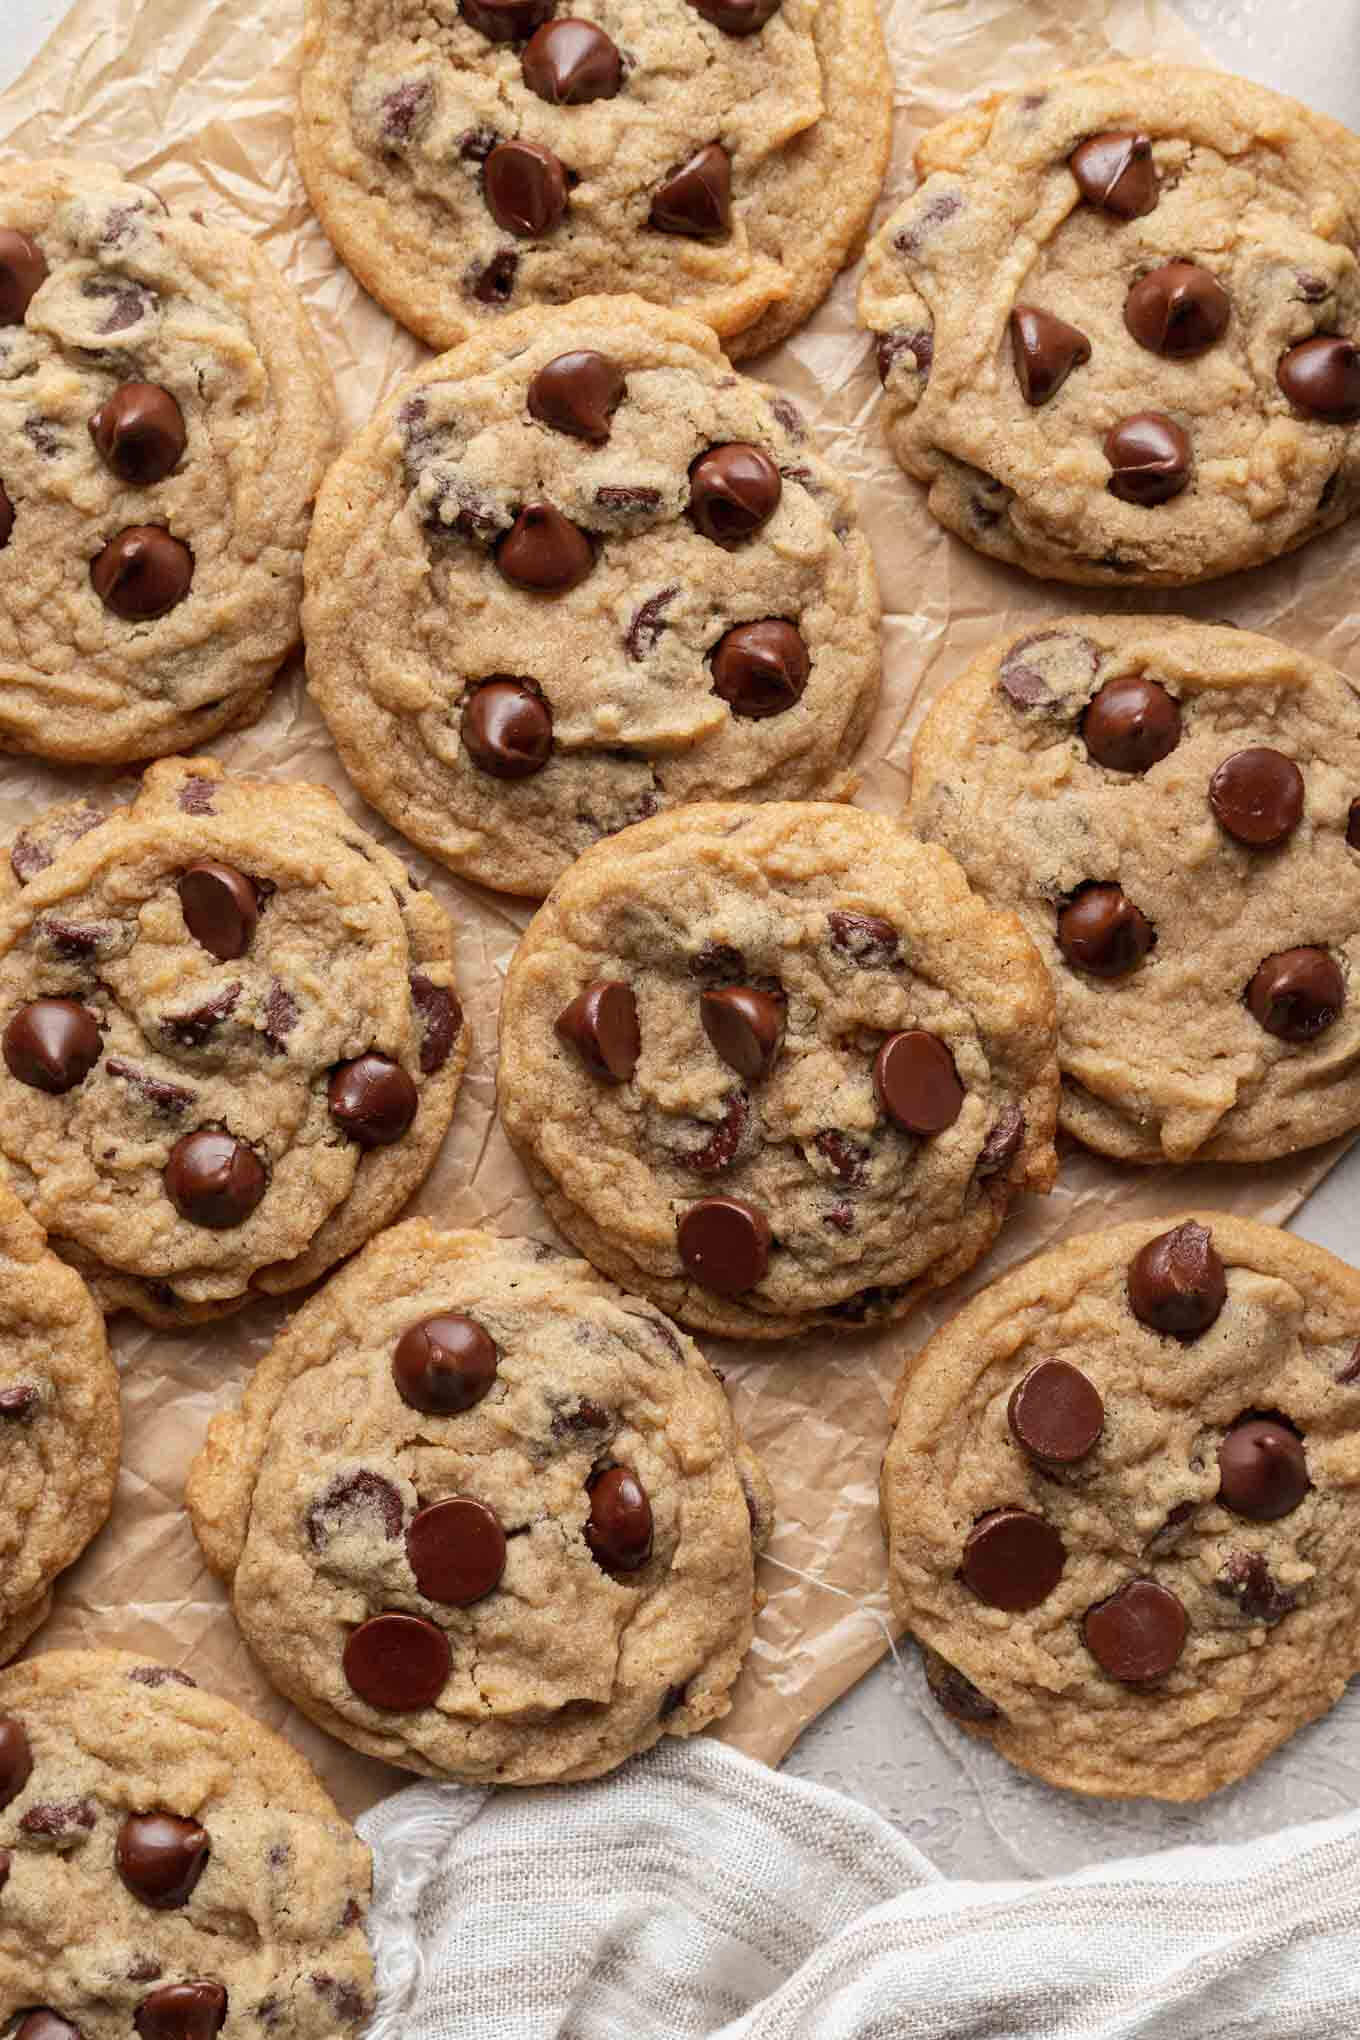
x=195 y=96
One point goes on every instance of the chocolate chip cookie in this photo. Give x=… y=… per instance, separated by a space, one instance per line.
x=1120 y=1504
x=1173 y=809
x=60 y=1426
x=165 y=420
x=168 y=1866
x=777 y=1066
x=231 y=1038
x=484 y=1516
x=1118 y=325
x=721 y=156
x=578 y=572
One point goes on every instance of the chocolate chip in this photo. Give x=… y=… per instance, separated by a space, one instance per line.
x=214 y=1180
x=601 y=1024
x=1248 y=1580
x=1322 y=376
x=627 y=502
x=745 y=1026
x=173 y=1099
x=1101 y=932
x=569 y=62
x=724 y=1244
x=195 y=796
x=734 y=491
x=60 y=1821
x=22 y=272
x=349 y=1499
x=159 y=1675
x=139 y=433
x=506 y=20
x=373 y=1100
x=160 y=1858
x=52 y=1045
x=397 y=1662
x=1056 y=1413
x=406 y=110
x=1004 y=1138
x=16 y=1759
x=182 y=2011
x=1257 y=796
x=541 y=550
x=347 y=2001
x=841 y=1216
x=1353 y=825
x=916 y=1083
x=1350 y=1372
x=526 y=188
x=1262 y=1469
x=445 y=1364
x=1043 y=664
x=6 y=517
x=720 y=1149
x=1045 y=350
x=760 y=669
x=644 y=632
x=1115 y=170
x=75 y=940
x=587 y=1420
x=493 y=282
x=718 y=960
x=457 y=1551
x=6 y=1865
x=441 y=1020
x=1150 y=456
x=1137 y=1634
x=507 y=728
x=1297 y=994
x=45 y=2024
x=192 y=1029
x=952 y=1690
x=848 y=1158
x=936 y=211
x=578 y=392
x=619 y=1526
x=20 y=1402
x=221 y=908
x=736 y=17
x=671 y=1701
x=1131 y=724
x=892 y=346
x=142 y=573
x=1177 y=1282
x=1012 y=1559
x=864 y=938
x=696 y=199
x=1178 y=310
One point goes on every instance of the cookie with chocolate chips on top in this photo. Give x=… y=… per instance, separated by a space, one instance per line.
x=776 y=1066
x=1118 y=325
x=1173 y=809
x=168 y=1866
x=1120 y=1504
x=576 y=573
x=231 y=1038
x=486 y=1517
x=165 y=420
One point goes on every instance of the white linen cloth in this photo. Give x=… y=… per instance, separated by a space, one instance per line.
x=696 y=1893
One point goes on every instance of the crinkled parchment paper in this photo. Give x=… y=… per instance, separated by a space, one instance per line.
x=195 y=97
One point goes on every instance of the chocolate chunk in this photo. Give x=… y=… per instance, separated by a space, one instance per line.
x=1138 y=1634
x=348 y=1501
x=644 y=632
x=1115 y=170
x=1262 y=1469
x=445 y=1364
x=457 y=1551
x=1003 y=1141
x=16 y=1758
x=405 y=111
x=23 y=271
x=696 y=199
x=1012 y=1559
x=1177 y=1282
x=892 y=346
x=916 y=1083
x=160 y=1858
x=373 y=1100
x=569 y=62
x=1247 y=1579
x=52 y=1045
x=193 y=1028
x=578 y=392
x=214 y=1180
x=734 y=491
x=173 y=1099
x=541 y=550
x=601 y=1024
x=1056 y=1413
x=1131 y=724
x=736 y=17
x=159 y=1675
x=20 y=1402
x=441 y=1021
x=139 y=433
x=397 y=1662
x=724 y=1244
x=507 y=727
x=1179 y=310
x=1297 y=994
x=1101 y=932
x=719 y=1151
x=493 y=282
x=221 y=908
x=1257 y=796
x=506 y=20
x=864 y=938
x=1150 y=456
x=760 y=669
x=1045 y=350
x=182 y=2011
x=75 y=940
x=848 y=1158
x=1322 y=376
x=526 y=188
x=952 y=1690
x=142 y=573
x=745 y=1026
x=619 y=1526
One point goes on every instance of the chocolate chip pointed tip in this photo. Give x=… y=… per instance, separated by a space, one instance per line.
x=1177 y=1283
x=601 y=1025
x=507 y=727
x=1045 y=350
x=578 y=392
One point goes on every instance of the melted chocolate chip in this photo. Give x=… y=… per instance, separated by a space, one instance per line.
x=601 y=1024
x=441 y=1021
x=142 y=573
x=526 y=188
x=172 y=1099
x=280 y=1016
x=1138 y=1634
x=734 y=491
x=52 y=1045
x=493 y=282
x=696 y=199
x=373 y=1100
x=1247 y=1579
x=1101 y=932
x=1045 y=350
x=892 y=347
x=954 y=1692
x=406 y=110
x=619 y=1526
x=543 y=551
x=23 y=271
x=570 y=61
x=353 y=1499
x=579 y=392
x=192 y=1029
x=1178 y=310
x=761 y=669
x=1263 y=1469
x=160 y=1858
x=214 y=1180
x=864 y=938
x=648 y=624
x=398 y=1663
x=848 y=1158
x=1012 y=1559
x=139 y=433
x=1150 y=458
x=1003 y=1142
x=1297 y=994
x=1177 y=1282
x=159 y=1675
x=724 y=1244
x=719 y=1151
x=1115 y=171
x=20 y=1402
x=1131 y=724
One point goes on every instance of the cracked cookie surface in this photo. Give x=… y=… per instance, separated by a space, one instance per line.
x=1118 y=325
x=777 y=1066
x=165 y=420
x=484 y=1516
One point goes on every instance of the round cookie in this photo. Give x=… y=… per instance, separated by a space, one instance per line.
x=575 y=573
x=1120 y=1504
x=165 y=420
x=1118 y=325
x=231 y=1039
x=168 y=1865
x=484 y=1516
x=1173 y=809
x=777 y=1067
x=60 y=1423
x=722 y=157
